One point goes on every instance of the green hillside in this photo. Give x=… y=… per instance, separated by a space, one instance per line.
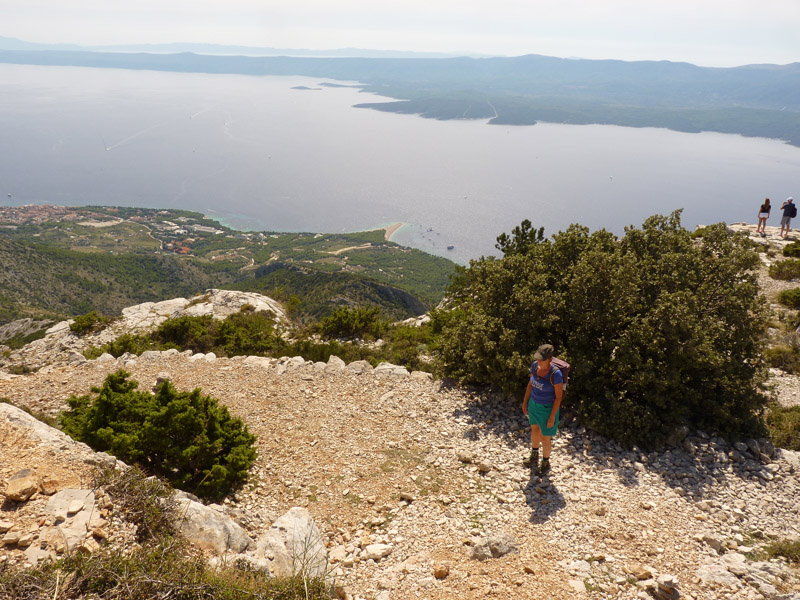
x=66 y=261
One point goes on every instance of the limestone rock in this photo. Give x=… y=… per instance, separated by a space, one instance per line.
x=210 y=530
x=335 y=364
x=75 y=358
x=294 y=545
x=260 y=361
x=360 y=366
x=22 y=485
x=377 y=551
x=493 y=546
x=465 y=456
x=388 y=369
x=717 y=575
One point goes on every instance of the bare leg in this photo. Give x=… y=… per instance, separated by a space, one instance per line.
x=547 y=446
x=536 y=437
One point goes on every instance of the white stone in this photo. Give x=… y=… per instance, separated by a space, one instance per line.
x=335 y=364
x=377 y=551
x=210 y=530
x=295 y=544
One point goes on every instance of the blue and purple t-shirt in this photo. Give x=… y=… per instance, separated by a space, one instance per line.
x=542 y=390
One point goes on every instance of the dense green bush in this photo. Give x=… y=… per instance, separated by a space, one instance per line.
x=785 y=269
x=345 y=322
x=790 y=298
x=241 y=333
x=784 y=426
x=784 y=357
x=88 y=323
x=185 y=437
x=661 y=331
x=792 y=250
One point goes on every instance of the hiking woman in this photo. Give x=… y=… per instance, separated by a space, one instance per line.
x=542 y=400
x=763 y=215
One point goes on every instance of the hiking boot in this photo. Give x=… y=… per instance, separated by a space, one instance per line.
x=545 y=466
x=531 y=460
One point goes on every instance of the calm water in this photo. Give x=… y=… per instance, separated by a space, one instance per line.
x=257 y=154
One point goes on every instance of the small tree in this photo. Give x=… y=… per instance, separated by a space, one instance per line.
x=522 y=238
x=88 y=323
x=185 y=437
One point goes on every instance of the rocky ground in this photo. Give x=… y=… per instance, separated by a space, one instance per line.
x=423 y=471
x=418 y=486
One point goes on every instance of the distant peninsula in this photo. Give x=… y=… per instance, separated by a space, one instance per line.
x=751 y=100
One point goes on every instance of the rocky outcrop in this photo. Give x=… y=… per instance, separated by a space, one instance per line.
x=77 y=519
x=60 y=344
x=21 y=328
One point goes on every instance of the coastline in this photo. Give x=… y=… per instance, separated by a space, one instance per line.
x=391 y=230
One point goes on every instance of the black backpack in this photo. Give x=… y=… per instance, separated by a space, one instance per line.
x=793 y=210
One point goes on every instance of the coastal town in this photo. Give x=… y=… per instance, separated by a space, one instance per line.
x=177 y=231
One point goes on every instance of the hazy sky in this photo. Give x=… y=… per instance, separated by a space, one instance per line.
x=705 y=32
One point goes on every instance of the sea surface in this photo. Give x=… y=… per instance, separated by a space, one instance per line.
x=257 y=154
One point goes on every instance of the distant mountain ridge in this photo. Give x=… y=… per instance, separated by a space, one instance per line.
x=750 y=100
x=7 y=43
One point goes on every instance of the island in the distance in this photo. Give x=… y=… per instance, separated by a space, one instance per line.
x=751 y=100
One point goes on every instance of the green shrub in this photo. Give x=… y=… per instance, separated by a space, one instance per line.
x=246 y=333
x=185 y=437
x=660 y=330
x=783 y=424
x=786 y=358
x=89 y=323
x=788 y=549
x=785 y=270
x=130 y=343
x=792 y=250
x=790 y=298
x=350 y=323
x=194 y=333
x=253 y=333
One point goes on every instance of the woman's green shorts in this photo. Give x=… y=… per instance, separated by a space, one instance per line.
x=538 y=414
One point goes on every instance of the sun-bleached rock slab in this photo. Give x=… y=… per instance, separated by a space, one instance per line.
x=294 y=545
x=210 y=530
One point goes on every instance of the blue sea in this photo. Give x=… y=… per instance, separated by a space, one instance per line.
x=257 y=154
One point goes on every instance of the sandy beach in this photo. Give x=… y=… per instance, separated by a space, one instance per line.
x=391 y=229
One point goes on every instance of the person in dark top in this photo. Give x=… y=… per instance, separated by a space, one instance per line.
x=541 y=403
x=763 y=215
x=789 y=211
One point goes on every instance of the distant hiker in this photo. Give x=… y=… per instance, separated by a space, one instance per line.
x=763 y=215
x=789 y=213
x=542 y=400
